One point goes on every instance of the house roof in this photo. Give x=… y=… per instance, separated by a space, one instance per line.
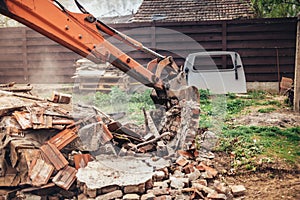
x=116 y=19
x=192 y=10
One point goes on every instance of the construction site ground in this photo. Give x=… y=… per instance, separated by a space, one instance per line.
x=277 y=179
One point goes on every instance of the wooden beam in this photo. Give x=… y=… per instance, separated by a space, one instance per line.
x=297 y=71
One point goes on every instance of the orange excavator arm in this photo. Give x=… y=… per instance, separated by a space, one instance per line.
x=82 y=33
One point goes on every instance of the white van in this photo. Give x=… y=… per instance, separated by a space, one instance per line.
x=221 y=72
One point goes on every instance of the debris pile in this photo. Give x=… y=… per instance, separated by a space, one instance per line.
x=189 y=175
x=52 y=151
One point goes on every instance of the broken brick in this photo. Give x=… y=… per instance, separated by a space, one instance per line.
x=148 y=196
x=238 y=190
x=211 y=172
x=64 y=137
x=182 y=161
x=61 y=98
x=81 y=160
x=41 y=172
x=216 y=196
x=65 y=177
x=134 y=188
x=54 y=155
x=111 y=195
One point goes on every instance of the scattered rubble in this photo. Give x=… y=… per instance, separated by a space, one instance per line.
x=48 y=152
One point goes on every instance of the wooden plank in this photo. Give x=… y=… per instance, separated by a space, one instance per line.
x=41 y=42
x=10 y=50
x=10 y=57
x=264 y=44
x=261 y=36
x=8 y=43
x=264 y=52
x=297 y=70
x=25 y=55
x=268 y=60
x=50 y=57
x=52 y=48
x=261 y=27
x=252 y=38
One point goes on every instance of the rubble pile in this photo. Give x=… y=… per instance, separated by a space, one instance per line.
x=50 y=150
x=188 y=175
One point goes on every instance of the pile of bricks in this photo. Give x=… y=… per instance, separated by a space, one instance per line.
x=51 y=152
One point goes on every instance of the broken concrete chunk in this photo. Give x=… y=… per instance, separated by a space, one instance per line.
x=159 y=176
x=194 y=175
x=131 y=197
x=220 y=187
x=178 y=183
x=111 y=195
x=209 y=140
x=114 y=171
x=238 y=190
x=149 y=196
x=178 y=174
x=162 y=149
x=93 y=135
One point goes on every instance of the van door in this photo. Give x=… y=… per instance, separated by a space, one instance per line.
x=219 y=71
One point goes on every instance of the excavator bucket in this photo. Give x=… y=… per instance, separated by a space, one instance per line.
x=178 y=113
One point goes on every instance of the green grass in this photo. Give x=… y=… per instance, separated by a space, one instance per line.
x=266 y=110
x=247 y=142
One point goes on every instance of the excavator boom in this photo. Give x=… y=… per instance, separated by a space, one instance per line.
x=84 y=34
x=80 y=32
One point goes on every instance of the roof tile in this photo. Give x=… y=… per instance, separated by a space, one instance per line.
x=193 y=10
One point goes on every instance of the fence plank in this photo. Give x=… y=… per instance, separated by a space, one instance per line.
x=26 y=59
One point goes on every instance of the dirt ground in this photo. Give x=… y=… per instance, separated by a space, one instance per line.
x=276 y=180
x=272 y=181
x=283 y=118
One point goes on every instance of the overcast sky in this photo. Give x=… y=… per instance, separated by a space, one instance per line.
x=105 y=8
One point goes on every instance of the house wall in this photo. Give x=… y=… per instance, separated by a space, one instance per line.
x=266 y=46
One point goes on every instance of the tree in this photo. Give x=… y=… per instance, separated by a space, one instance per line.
x=276 y=8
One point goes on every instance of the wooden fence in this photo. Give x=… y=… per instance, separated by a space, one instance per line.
x=267 y=48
